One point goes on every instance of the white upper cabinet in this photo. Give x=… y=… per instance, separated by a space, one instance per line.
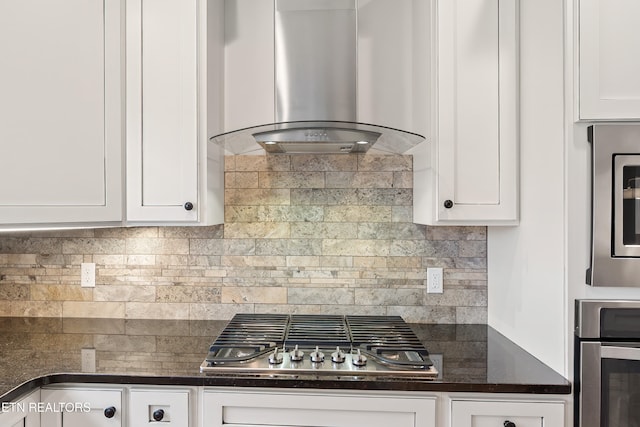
x=469 y=172
x=69 y=70
x=174 y=60
x=60 y=111
x=609 y=66
x=162 y=110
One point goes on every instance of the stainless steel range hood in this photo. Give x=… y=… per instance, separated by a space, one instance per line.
x=316 y=88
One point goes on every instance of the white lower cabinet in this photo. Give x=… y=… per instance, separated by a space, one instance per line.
x=506 y=413
x=76 y=405
x=316 y=408
x=23 y=413
x=82 y=407
x=114 y=406
x=166 y=407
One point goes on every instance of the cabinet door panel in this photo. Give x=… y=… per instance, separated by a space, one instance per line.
x=82 y=407
x=162 y=125
x=469 y=114
x=22 y=413
x=609 y=83
x=476 y=129
x=60 y=111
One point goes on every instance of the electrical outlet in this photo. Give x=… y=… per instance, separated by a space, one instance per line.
x=88 y=274
x=434 y=280
x=88 y=359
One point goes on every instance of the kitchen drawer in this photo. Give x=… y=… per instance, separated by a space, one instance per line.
x=320 y=409
x=496 y=413
x=166 y=407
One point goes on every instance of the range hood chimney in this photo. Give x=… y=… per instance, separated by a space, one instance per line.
x=316 y=87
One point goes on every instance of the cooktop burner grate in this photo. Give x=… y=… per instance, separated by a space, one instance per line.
x=383 y=331
x=317 y=330
x=254 y=328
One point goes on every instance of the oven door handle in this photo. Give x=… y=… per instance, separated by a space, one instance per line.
x=623 y=353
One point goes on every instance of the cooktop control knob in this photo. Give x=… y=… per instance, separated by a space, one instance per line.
x=359 y=359
x=317 y=356
x=296 y=355
x=338 y=356
x=275 y=358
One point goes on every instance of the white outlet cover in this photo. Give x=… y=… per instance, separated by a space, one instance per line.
x=88 y=359
x=88 y=274
x=434 y=281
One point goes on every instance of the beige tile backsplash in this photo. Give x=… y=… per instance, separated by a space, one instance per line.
x=302 y=234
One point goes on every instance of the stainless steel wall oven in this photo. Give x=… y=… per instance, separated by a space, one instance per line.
x=607 y=364
x=615 y=237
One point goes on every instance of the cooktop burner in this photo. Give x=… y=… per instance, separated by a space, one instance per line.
x=342 y=346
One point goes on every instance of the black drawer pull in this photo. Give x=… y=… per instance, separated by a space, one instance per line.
x=158 y=415
x=110 y=412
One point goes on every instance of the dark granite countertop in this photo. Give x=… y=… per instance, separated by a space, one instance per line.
x=40 y=351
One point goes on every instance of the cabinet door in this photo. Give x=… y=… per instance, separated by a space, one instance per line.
x=166 y=407
x=23 y=413
x=225 y=408
x=60 y=111
x=468 y=413
x=162 y=110
x=476 y=128
x=609 y=66
x=82 y=407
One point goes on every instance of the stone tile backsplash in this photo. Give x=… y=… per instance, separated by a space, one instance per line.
x=302 y=234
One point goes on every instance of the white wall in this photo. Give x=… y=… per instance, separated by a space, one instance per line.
x=526 y=264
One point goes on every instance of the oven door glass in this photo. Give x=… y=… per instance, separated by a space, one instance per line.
x=626 y=206
x=620 y=382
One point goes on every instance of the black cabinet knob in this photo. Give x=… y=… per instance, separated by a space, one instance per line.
x=448 y=204
x=188 y=206
x=110 y=412
x=158 y=415
x=509 y=424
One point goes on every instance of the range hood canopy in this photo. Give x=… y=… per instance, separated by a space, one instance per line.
x=316 y=88
x=317 y=137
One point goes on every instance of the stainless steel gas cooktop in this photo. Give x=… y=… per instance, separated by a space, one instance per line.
x=327 y=345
